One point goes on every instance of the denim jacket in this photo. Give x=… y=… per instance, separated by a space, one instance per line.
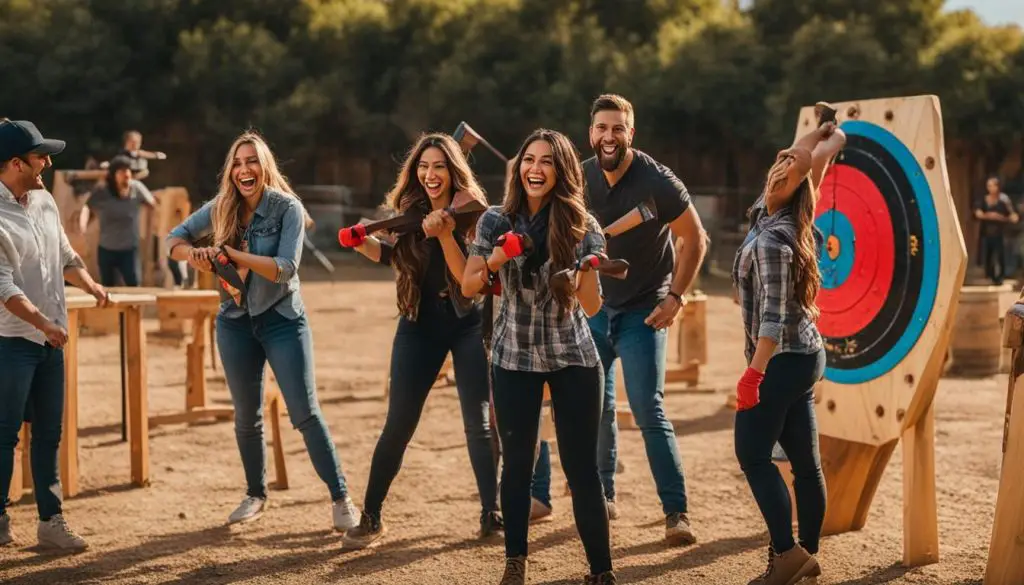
x=277 y=230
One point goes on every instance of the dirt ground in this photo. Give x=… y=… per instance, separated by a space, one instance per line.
x=173 y=531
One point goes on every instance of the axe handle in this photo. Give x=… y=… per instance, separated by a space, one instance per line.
x=625 y=223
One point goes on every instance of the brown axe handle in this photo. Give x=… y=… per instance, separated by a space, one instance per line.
x=638 y=215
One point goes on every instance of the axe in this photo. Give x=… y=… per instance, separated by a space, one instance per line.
x=565 y=279
x=468 y=138
x=642 y=213
x=825 y=113
x=229 y=278
x=463 y=206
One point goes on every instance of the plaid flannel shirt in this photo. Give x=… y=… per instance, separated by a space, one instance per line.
x=764 y=283
x=528 y=334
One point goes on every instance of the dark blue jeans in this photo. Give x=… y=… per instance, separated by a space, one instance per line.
x=32 y=379
x=785 y=414
x=246 y=344
x=114 y=262
x=418 y=352
x=642 y=351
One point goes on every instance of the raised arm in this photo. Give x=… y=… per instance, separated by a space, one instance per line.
x=825 y=151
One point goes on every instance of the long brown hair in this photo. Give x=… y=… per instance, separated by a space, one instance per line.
x=568 y=210
x=410 y=258
x=806 y=277
x=227 y=227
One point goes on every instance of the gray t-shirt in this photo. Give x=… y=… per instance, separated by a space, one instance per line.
x=119 y=216
x=647 y=247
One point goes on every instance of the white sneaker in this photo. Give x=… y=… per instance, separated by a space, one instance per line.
x=346 y=515
x=56 y=533
x=250 y=509
x=6 y=536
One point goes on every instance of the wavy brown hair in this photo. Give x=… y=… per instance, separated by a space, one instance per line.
x=227 y=226
x=568 y=207
x=806 y=277
x=410 y=257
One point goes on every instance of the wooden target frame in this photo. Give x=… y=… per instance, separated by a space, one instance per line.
x=887 y=316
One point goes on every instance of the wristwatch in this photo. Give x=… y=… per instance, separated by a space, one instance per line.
x=677 y=296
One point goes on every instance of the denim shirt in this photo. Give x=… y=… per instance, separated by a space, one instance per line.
x=277 y=230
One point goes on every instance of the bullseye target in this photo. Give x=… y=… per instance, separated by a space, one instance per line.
x=881 y=256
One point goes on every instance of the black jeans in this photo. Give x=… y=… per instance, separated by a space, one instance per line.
x=785 y=414
x=417 y=354
x=114 y=262
x=576 y=397
x=995 y=258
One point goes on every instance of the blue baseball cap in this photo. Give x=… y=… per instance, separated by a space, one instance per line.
x=21 y=137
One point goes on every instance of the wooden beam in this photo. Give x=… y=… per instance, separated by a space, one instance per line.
x=920 y=512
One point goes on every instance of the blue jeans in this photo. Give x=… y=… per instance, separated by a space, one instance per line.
x=540 y=486
x=114 y=262
x=642 y=351
x=785 y=417
x=246 y=344
x=32 y=382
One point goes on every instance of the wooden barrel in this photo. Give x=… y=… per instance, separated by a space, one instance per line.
x=977 y=336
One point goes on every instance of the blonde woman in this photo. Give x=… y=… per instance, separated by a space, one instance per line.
x=259 y=223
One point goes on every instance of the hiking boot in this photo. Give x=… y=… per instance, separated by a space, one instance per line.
x=56 y=533
x=606 y=578
x=788 y=568
x=6 y=536
x=345 y=514
x=613 y=510
x=677 y=530
x=250 y=509
x=490 y=524
x=369 y=531
x=515 y=571
x=539 y=511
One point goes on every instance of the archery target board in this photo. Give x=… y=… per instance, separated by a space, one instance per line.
x=891 y=266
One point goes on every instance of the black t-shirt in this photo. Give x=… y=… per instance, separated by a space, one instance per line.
x=434 y=280
x=1003 y=206
x=647 y=247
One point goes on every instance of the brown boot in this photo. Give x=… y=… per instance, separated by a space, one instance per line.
x=515 y=571
x=606 y=578
x=788 y=568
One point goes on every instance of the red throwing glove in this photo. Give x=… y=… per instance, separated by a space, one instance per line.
x=511 y=244
x=352 y=236
x=748 y=389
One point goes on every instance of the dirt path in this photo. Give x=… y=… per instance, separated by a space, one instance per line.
x=172 y=531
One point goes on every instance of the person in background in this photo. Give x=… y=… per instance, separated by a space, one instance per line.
x=117 y=202
x=995 y=212
x=132 y=148
x=35 y=260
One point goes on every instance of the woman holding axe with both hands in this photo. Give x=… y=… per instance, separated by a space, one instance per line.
x=257 y=224
x=540 y=243
x=434 y=184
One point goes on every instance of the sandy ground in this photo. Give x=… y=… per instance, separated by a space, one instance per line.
x=173 y=531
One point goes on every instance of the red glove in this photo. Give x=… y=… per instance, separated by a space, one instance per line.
x=748 y=389
x=588 y=262
x=353 y=236
x=511 y=244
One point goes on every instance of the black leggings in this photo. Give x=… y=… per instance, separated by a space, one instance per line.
x=785 y=415
x=418 y=352
x=995 y=258
x=577 y=398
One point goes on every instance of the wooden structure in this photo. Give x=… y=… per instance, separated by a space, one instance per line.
x=862 y=418
x=1006 y=550
x=976 y=344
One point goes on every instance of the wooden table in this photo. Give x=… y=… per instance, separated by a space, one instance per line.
x=129 y=306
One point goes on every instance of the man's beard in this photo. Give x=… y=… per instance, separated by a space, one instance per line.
x=610 y=162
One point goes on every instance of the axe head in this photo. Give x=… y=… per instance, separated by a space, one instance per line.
x=466 y=137
x=824 y=112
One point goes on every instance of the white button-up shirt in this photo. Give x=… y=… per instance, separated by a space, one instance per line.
x=34 y=251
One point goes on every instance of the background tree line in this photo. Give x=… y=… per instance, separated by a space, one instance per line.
x=334 y=82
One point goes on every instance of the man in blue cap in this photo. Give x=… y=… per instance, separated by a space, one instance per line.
x=35 y=260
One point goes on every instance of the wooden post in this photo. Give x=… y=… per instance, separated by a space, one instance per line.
x=920 y=512
x=693 y=339
x=138 y=399
x=280 y=468
x=1006 y=549
x=69 y=436
x=195 y=381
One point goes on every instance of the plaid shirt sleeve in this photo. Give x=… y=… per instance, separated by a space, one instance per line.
x=486 y=232
x=773 y=261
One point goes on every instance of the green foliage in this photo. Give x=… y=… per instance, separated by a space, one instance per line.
x=367 y=76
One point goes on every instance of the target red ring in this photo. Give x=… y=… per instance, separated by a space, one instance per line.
x=850 y=307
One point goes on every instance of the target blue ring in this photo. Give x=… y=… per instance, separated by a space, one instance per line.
x=922 y=195
x=835 y=272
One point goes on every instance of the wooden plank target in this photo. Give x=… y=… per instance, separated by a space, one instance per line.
x=892 y=265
